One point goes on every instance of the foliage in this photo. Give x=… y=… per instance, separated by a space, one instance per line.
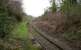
x=72 y=12
x=19 y=39
x=64 y=24
x=53 y=7
x=72 y=26
x=14 y=8
x=9 y=16
x=13 y=27
x=21 y=32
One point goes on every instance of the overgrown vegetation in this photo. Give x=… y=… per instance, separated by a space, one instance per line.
x=72 y=11
x=14 y=34
x=65 y=23
x=8 y=18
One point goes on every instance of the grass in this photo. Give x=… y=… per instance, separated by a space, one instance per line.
x=21 y=31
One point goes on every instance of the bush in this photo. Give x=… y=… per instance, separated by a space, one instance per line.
x=8 y=18
x=72 y=12
x=72 y=25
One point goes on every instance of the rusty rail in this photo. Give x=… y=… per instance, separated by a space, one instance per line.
x=54 y=41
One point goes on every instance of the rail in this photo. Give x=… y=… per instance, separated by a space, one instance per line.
x=54 y=41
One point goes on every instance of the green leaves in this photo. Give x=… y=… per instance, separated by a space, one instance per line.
x=53 y=6
x=6 y=24
x=10 y=14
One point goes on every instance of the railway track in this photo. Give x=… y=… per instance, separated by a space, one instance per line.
x=47 y=42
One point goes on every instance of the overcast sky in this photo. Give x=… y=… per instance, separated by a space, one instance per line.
x=35 y=7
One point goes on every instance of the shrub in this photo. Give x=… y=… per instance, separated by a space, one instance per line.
x=72 y=12
x=8 y=16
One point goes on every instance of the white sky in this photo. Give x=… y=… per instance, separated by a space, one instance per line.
x=35 y=7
